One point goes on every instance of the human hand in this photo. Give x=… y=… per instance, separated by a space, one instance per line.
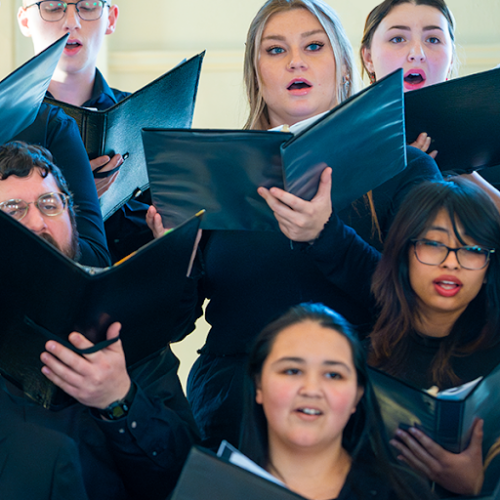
x=460 y=473
x=104 y=183
x=301 y=220
x=154 y=222
x=96 y=379
x=423 y=142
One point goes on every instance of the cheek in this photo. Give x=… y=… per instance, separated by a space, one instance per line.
x=61 y=230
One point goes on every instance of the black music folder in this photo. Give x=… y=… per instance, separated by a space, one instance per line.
x=447 y=417
x=167 y=102
x=205 y=476
x=22 y=92
x=462 y=118
x=46 y=295
x=362 y=139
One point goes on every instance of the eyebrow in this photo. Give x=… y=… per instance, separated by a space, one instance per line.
x=407 y=28
x=438 y=228
x=302 y=361
x=303 y=35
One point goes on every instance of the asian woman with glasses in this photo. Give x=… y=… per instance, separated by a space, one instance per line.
x=436 y=298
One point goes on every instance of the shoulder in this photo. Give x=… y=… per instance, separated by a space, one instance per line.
x=119 y=94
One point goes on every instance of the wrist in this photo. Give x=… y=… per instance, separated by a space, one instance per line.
x=119 y=408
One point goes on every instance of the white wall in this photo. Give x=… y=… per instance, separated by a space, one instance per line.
x=154 y=35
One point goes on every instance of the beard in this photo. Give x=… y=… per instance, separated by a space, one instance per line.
x=72 y=250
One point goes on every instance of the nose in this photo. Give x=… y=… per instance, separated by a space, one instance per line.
x=71 y=18
x=296 y=60
x=310 y=386
x=416 y=53
x=451 y=261
x=34 y=220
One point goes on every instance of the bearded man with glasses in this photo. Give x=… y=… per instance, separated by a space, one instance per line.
x=77 y=81
x=130 y=431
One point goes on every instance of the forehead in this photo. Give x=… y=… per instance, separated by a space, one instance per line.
x=291 y=22
x=27 y=188
x=411 y=15
x=442 y=224
x=311 y=341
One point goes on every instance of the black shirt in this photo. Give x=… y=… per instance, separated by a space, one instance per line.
x=57 y=132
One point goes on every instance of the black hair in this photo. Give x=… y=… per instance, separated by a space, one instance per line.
x=363 y=438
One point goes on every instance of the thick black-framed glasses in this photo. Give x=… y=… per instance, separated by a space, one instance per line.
x=50 y=204
x=54 y=11
x=433 y=253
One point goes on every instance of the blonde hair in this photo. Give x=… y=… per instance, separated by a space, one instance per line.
x=348 y=81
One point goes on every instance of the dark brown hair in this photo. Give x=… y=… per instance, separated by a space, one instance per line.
x=376 y=16
x=20 y=159
x=468 y=205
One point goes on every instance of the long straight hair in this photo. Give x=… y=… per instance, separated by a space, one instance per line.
x=473 y=209
x=377 y=15
x=348 y=81
x=363 y=437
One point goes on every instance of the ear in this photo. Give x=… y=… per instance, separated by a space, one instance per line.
x=112 y=19
x=258 y=393
x=359 y=395
x=367 y=58
x=23 y=21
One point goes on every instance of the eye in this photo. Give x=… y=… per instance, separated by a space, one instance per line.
x=334 y=375
x=53 y=7
x=314 y=47
x=433 y=40
x=475 y=250
x=291 y=371
x=431 y=243
x=397 y=39
x=275 y=50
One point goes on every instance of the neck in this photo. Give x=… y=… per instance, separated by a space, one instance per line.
x=436 y=324
x=73 y=88
x=314 y=474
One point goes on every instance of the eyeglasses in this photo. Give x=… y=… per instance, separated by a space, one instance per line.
x=54 y=11
x=50 y=204
x=433 y=253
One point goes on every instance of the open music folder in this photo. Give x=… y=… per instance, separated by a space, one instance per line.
x=45 y=295
x=462 y=118
x=22 y=92
x=362 y=140
x=166 y=102
x=446 y=417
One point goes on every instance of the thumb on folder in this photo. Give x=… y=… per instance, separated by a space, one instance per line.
x=301 y=220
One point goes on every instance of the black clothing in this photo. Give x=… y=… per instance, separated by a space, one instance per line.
x=126 y=229
x=57 y=132
x=251 y=278
x=139 y=456
x=388 y=198
x=50 y=468
x=364 y=483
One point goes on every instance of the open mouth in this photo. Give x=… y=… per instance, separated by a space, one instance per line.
x=447 y=285
x=298 y=85
x=73 y=45
x=309 y=411
x=414 y=78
